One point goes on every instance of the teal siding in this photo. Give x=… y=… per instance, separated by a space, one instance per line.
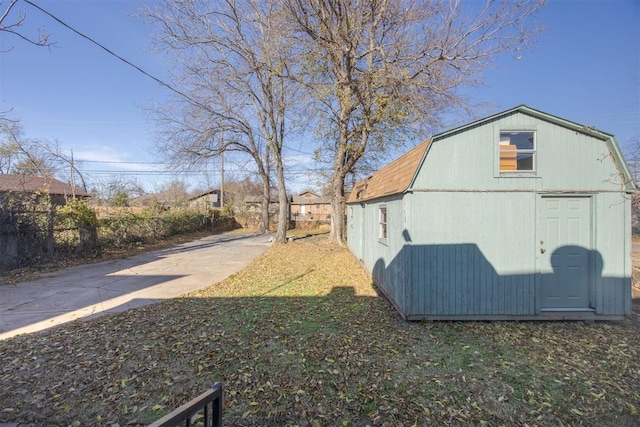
x=380 y=256
x=463 y=241
x=613 y=243
x=566 y=160
x=355 y=227
x=466 y=260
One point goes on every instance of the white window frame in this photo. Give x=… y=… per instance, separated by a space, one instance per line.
x=516 y=152
x=383 y=229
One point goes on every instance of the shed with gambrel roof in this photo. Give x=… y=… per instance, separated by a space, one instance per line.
x=520 y=215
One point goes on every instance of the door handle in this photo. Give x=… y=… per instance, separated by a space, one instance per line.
x=542 y=250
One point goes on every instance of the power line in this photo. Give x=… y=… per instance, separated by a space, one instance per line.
x=161 y=82
x=119 y=162
x=300 y=172
x=110 y=52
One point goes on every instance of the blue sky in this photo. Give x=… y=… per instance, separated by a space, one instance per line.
x=585 y=67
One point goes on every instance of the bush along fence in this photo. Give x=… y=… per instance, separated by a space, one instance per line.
x=35 y=230
x=26 y=227
x=149 y=226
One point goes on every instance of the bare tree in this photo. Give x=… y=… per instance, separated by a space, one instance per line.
x=9 y=154
x=633 y=159
x=173 y=194
x=236 y=192
x=24 y=156
x=232 y=57
x=375 y=69
x=12 y=19
x=192 y=136
x=115 y=190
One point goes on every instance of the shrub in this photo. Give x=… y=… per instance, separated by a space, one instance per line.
x=75 y=227
x=151 y=225
x=25 y=228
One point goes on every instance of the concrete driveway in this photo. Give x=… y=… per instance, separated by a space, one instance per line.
x=97 y=289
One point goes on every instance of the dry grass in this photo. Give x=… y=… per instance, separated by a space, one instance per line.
x=300 y=337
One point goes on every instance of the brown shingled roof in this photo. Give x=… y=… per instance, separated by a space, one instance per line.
x=394 y=178
x=30 y=184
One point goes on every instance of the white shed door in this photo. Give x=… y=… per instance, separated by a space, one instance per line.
x=564 y=255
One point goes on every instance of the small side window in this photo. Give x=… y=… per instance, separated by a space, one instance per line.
x=383 y=223
x=517 y=151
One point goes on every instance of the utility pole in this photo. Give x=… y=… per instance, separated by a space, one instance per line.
x=222 y=180
x=73 y=184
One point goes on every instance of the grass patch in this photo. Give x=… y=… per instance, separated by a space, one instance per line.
x=300 y=337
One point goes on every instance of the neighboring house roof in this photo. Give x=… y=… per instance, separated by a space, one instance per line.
x=397 y=177
x=306 y=198
x=30 y=184
x=258 y=199
x=204 y=194
x=309 y=198
x=392 y=179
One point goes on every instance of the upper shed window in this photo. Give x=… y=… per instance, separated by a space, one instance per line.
x=517 y=151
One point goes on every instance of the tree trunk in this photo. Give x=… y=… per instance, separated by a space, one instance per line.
x=341 y=166
x=263 y=227
x=87 y=237
x=283 y=213
x=338 y=214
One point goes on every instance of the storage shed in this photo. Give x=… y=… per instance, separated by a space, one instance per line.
x=519 y=216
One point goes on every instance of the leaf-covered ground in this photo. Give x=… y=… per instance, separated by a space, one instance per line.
x=300 y=337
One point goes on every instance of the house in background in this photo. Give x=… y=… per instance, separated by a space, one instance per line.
x=308 y=206
x=521 y=215
x=254 y=203
x=27 y=216
x=57 y=190
x=210 y=199
x=253 y=208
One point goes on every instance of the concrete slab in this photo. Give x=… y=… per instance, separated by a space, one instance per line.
x=97 y=289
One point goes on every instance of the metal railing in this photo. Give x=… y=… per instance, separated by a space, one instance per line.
x=209 y=402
